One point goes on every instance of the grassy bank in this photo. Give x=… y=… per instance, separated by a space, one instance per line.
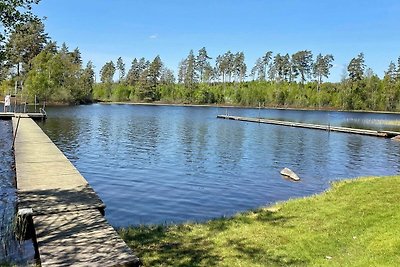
x=355 y=223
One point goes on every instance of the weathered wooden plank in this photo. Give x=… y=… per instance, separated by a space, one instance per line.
x=69 y=227
x=60 y=200
x=47 y=182
x=35 y=169
x=32 y=115
x=41 y=161
x=80 y=239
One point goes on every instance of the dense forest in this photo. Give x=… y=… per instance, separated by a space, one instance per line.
x=274 y=80
x=56 y=74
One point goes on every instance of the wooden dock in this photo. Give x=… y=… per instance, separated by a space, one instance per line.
x=387 y=134
x=32 y=115
x=66 y=212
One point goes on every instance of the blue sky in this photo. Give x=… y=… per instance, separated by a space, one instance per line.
x=105 y=30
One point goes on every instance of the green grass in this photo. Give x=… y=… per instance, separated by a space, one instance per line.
x=355 y=223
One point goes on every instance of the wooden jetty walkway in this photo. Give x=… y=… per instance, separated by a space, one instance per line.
x=387 y=134
x=67 y=214
x=32 y=115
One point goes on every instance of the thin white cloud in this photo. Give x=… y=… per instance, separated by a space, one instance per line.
x=153 y=36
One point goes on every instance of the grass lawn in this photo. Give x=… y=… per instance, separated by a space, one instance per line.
x=355 y=223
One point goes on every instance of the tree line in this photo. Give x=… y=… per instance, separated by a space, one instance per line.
x=57 y=74
x=229 y=67
x=295 y=80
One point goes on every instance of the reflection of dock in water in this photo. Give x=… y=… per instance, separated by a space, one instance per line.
x=66 y=212
x=387 y=134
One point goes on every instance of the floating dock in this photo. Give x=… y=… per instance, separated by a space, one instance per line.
x=67 y=214
x=386 y=134
x=32 y=115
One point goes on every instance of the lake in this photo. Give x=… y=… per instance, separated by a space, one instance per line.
x=171 y=164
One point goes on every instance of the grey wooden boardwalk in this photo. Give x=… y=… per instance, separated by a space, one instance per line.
x=32 y=115
x=69 y=226
x=387 y=134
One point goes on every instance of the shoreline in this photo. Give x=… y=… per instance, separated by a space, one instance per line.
x=243 y=107
x=332 y=227
x=160 y=103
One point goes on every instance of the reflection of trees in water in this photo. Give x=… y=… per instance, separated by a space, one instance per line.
x=194 y=140
x=390 y=123
x=142 y=138
x=65 y=133
x=202 y=142
x=354 y=147
x=301 y=149
x=298 y=145
x=278 y=134
x=186 y=136
x=289 y=146
x=229 y=146
x=104 y=132
x=321 y=149
x=367 y=155
x=392 y=147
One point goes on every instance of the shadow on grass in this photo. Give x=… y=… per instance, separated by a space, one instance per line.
x=196 y=245
x=261 y=215
x=273 y=218
x=259 y=255
x=170 y=246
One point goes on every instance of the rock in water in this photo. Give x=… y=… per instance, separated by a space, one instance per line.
x=290 y=174
x=396 y=138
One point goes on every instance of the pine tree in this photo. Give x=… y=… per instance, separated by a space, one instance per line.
x=107 y=72
x=356 y=68
x=265 y=61
x=167 y=76
x=201 y=62
x=260 y=68
x=121 y=69
x=76 y=56
x=239 y=66
x=321 y=67
x=190 y=76
x=302 y=63
x=25 y=42
x=398 y=69
x=391 y=73
x=182 y=71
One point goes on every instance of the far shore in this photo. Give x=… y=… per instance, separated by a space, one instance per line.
x=160 y=103
x=244 y=107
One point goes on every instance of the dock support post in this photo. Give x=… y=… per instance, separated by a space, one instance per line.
x=16 y=130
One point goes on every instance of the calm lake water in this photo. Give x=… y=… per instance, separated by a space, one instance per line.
x=7 y=193
x=164 y=164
